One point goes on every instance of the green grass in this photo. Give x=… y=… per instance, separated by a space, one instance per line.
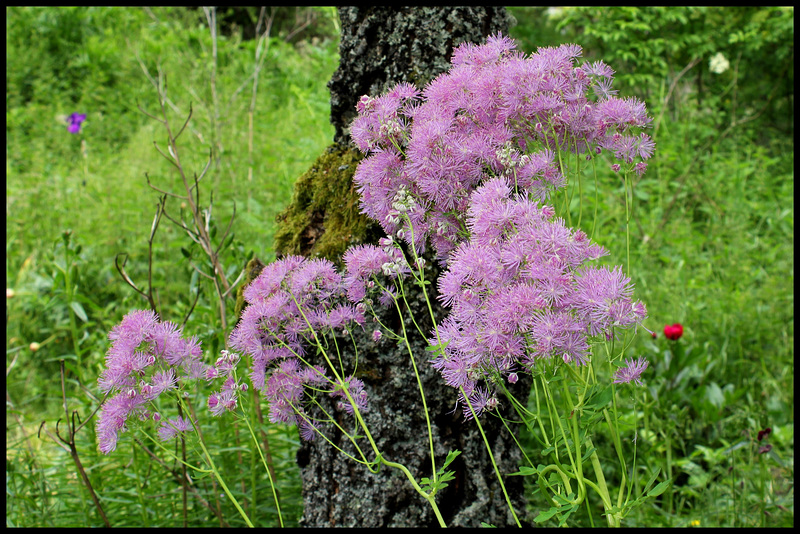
x=711 y=247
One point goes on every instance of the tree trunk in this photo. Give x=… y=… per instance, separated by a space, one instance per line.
x=380 y=47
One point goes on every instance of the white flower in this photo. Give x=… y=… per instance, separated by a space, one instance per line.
x=718 y=64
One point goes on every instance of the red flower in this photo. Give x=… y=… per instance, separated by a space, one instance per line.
x=673 y=332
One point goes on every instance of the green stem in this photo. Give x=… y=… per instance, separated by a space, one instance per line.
x=602 y=487
x=421 y=389
x=491 y=456
x=213 y=468
x=428 y=496
x=269 y=472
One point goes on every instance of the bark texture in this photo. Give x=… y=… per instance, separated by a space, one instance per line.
x=382 y=46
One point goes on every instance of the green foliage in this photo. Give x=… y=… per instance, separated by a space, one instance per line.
x=443 y=476
x=710 y=236
x=711 y=246
x=650 y=46
x=64 y=60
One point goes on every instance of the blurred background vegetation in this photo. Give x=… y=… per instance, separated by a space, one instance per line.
x=711 y=236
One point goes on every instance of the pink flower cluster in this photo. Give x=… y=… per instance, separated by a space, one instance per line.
x=519 y=292
x=495 y=113
x=147 y=358
x=291 y=304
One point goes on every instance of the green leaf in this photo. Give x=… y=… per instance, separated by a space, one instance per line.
x=714 y=395
x=78 y=309
x=658 y=490
x=544 y=516
x=452 y=455
x=446 y=477
x=652 y=479
x=563 y=500
x=525 y=470
x=565 y=514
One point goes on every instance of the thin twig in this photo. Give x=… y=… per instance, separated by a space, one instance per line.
x=188 y=118
x=160 y=190
x=297 y=29
x=201 y=272
x=260 y=57
x=69 y=444
x=227 y=229
x=191 y=309
x=672 y=86
x=235 y=283
x=127 y=279
x=211 y=17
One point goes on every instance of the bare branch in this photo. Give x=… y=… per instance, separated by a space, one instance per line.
x=148 y=114
x=227 y=229
x=191 y=309
x=309 y=19
x=124 y=275
x=201 y=272
x=159 y=190
x=188 y=118
x=235 y=283
x=172 y=159
x=182 y=225
x=672 y=86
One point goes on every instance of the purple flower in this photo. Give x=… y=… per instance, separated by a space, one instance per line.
x=631 y=373
x=163 y=381
x=480 y=399
x=143 y=362
x=519 y=292
x=495 y=113
x=219 y=403
x=74 y=122
x=114 y=414
x=356 y=389
x=172 y=427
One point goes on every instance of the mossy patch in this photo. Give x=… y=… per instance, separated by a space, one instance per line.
x=324 y=217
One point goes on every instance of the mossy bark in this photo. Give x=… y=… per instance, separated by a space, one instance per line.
x=324 y=217
x=380 y=47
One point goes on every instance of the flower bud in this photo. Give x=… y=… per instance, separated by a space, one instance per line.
x=34 y=346
x=10 y=293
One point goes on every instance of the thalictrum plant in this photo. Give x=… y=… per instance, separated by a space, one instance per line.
x=475 y=168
